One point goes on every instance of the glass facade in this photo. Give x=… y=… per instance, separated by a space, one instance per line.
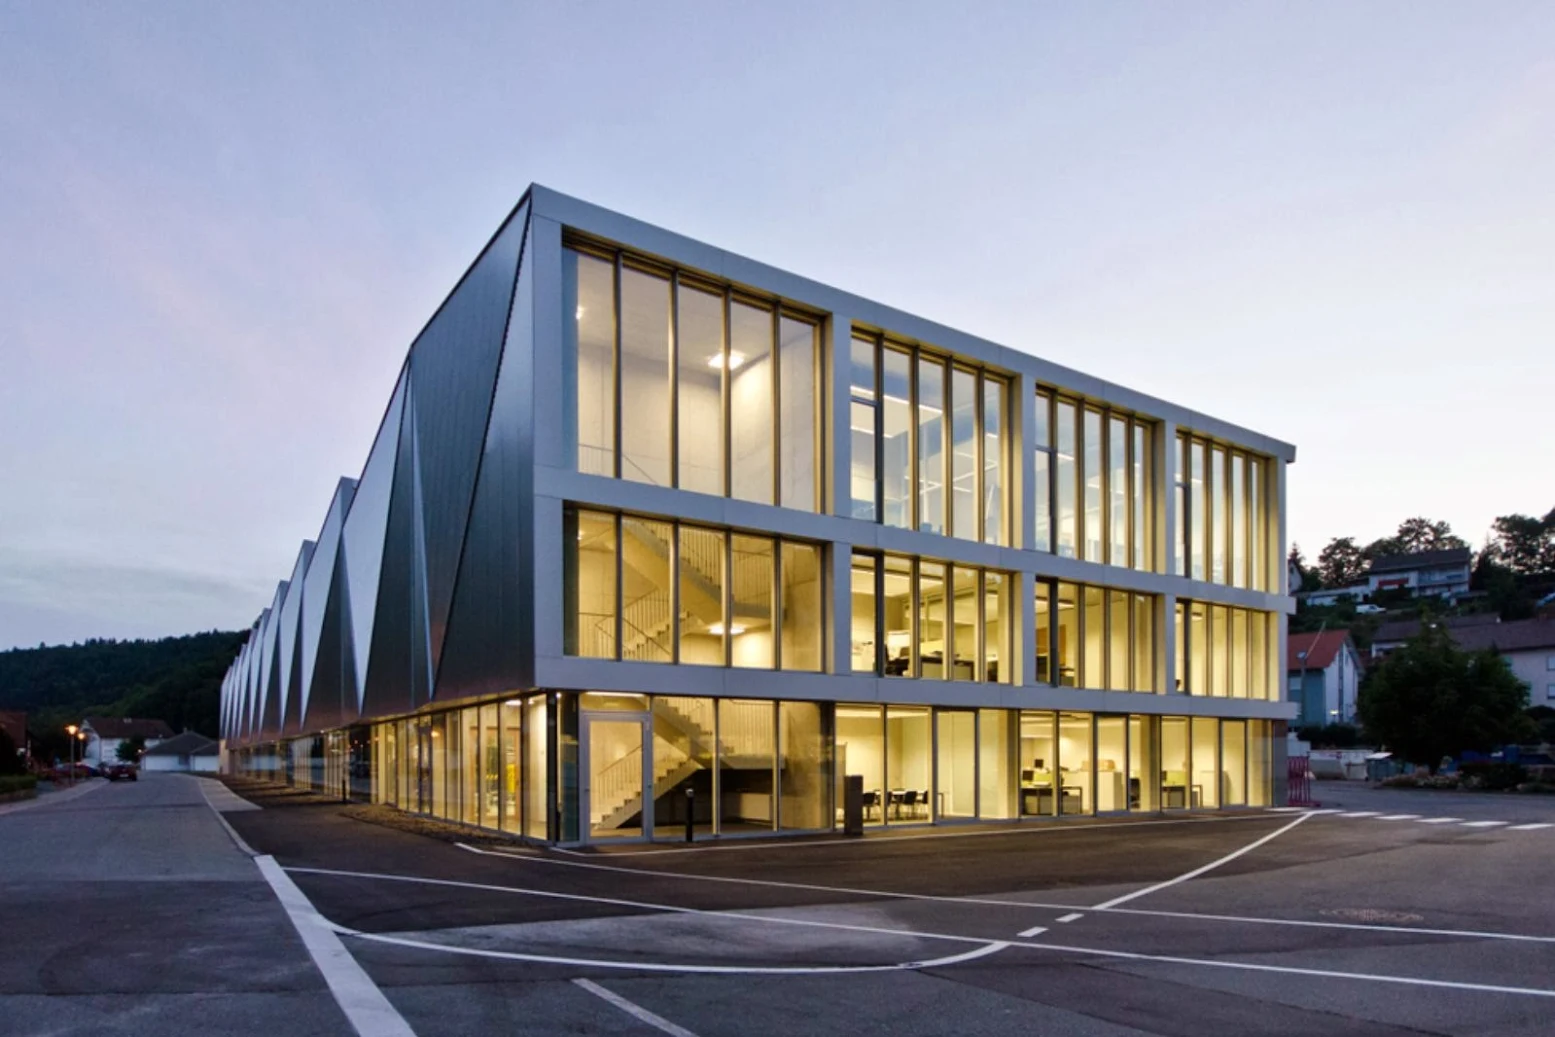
x=680 y=381
x=1094 y=483
x=1095 y=637
x=1223 y=518
x=1227 y=652
x=921 y=618
x=928 y=440
x=645 y=765
x=648 y=590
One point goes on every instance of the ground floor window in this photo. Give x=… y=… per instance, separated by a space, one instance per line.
x=602 y=767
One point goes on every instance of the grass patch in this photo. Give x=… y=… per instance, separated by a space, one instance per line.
x=17 y=783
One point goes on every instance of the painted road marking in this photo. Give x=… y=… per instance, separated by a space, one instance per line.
x=359 y=998
x=1362 y=813
x=1291 y=970
x=1285 y=810
x=986 y=946
x=1529 y=828
x=1399 y=817
x=1073 y=916
x=1036 y=930
x=636 y=1011
x=989 y=947
x=1211 y=866
x=1482 y=824
x=1039 y=827
x=1440 y=820
x=1033 y=904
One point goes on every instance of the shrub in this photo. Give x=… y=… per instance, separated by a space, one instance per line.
x=1421 y=780
x=1538 y=788
x=17 y=783
x=1493 y=776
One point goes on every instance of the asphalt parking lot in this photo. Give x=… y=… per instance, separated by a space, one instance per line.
x=132 y=909
x=1370 y=918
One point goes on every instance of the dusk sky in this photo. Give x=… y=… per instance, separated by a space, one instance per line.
x=221 y=224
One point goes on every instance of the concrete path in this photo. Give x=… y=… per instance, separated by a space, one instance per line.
x=131 y=911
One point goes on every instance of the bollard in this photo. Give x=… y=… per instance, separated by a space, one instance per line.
x=853 y=804
x=691 y=802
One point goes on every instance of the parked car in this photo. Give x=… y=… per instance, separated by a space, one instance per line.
x=121 y=772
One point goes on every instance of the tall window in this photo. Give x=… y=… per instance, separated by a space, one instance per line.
x=1095 y=637
x=1094 y=491
x=650 y=590
x=1226 y=652
x=934 y=621
x=929 y=439
x=1222 y=518
x=677 y=381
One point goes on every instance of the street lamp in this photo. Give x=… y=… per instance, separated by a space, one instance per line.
x=70 y=729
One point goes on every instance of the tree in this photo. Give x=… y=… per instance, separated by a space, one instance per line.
x=1421 y=534
x=1429 y=699
x=1340 y=563
x=10 y=755
x=1523 y=544
x=130 y=749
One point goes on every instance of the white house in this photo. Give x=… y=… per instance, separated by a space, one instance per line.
x=103 y=735
x=187 y=752
x=1437 y=573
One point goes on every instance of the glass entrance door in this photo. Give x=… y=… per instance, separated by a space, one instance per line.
x=616 y=776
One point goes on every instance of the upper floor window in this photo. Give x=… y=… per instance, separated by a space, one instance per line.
x=1094 y=482
x=1226 y=652
x=1095 y=637
x=914 y=617
x=1222 y=515
x=680 y=381
x=651 y=590
x=929 y=439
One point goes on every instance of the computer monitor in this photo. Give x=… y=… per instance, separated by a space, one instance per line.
x=1028 y=776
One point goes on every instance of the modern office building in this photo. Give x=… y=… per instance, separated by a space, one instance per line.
x=644 y=518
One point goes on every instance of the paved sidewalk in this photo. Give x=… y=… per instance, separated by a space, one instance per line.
x=131 y=911
x=53 y=796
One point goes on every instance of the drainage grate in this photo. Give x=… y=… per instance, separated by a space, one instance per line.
x=1371 y=914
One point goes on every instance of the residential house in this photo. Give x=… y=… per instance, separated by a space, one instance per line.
x=1323 y=674
x=187 y=752
x=1333 y=595
x=14 y=723
x=103 y=735
x=1527 y=644
x=1393 y=635
x=1443 y=574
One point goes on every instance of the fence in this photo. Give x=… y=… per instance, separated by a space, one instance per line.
x=1299 y=782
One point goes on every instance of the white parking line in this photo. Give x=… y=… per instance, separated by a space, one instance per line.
x=1360 y=813
x=989 y=947
x=1038 y=905
x=1211 y=866
x=1482 y=824
x=636 y=1011
x=1530 y=828
x=1440 y=820
x=1399 y=817
x=1073 y=916
x=1291 y=970
x=1036 y=930
x=358 y=996
x=985 y=946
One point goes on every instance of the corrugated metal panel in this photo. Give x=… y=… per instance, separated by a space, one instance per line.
x=489 y=633
x=390 y=662
x=319 y=595
x=288 y=705
x=270 y=689
x=362 y=536
x=453 y=375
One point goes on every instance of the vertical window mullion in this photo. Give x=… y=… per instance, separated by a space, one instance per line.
x=775 y=606
x=674 y=563
x=618 y=588
x=915 y=604
x=725 y=376
x=777 y=407
x=728 y=610
x=915 y=491
x=980 y=648
x=879 y=444
x=879 y=581
x=1129 y=489
x=615 y=381
x=675 y=386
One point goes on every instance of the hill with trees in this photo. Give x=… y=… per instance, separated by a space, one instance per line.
x=176 y=679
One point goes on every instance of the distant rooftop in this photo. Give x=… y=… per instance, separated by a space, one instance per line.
x=1421 y=560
